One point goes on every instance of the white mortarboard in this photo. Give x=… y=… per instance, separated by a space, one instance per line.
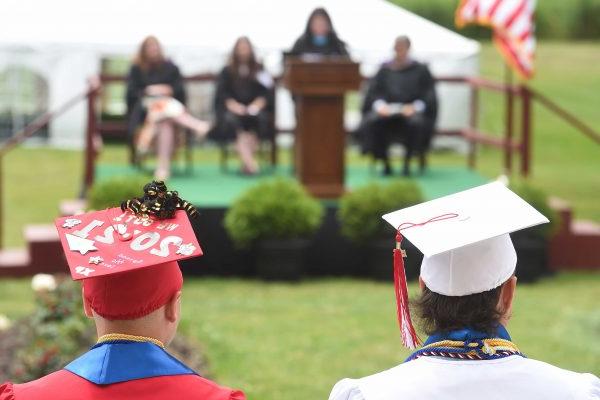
x=464 y=237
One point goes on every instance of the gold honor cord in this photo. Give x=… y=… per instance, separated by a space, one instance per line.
x=111 y=337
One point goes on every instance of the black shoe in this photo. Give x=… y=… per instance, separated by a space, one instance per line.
x=387 y=169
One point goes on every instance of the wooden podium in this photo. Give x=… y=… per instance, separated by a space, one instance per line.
x=319 y=87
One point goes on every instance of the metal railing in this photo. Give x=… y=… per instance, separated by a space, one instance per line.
x=508 y=142
x=31 y=129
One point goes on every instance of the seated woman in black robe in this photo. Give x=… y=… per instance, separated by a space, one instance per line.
x=319 y=37
x=155 y=105
x=244 y=103
x=400 y=103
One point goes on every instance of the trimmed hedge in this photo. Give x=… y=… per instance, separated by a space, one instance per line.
x=111 y=192
x=361 y=209
x=278 y=208
x=540 y=201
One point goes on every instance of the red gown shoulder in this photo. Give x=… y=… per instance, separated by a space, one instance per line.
x=64 y=385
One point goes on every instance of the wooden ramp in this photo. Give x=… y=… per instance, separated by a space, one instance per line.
x=576 y=245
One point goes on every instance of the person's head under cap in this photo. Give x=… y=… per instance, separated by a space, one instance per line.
x=468 y=270
x=142 y=302
x=131 y=281
x=455 y=295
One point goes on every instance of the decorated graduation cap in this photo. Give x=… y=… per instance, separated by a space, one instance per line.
x=127 y=256
x=465 y=240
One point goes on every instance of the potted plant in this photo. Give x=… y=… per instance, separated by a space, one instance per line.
x=531 y=244
x=360 y=214
x=111 y=192
x=277 y=218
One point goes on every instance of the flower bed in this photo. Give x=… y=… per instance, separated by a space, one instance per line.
x=58 y=332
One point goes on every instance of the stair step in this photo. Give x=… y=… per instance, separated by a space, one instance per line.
x=45 y=250
x=72 y=207
x=584 y=227
x=14 y=258
x=40 y=233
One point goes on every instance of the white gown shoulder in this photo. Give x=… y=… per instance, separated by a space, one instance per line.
x=507 y=378
x=346 y=389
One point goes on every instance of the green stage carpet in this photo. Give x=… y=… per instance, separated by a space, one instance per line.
x=208 y=186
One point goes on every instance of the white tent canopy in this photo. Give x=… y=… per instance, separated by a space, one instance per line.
x=64 y=40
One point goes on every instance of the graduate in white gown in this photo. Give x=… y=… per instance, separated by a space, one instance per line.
x=468 y=285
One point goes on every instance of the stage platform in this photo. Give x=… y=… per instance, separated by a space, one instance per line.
x=207 y=186
x=330 y=254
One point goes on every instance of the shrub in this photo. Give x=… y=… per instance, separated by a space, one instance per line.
x=111 y=192
x=274 y=209
x=539 y=200
x=361 y=210
x=588 y=20
x=58 y=331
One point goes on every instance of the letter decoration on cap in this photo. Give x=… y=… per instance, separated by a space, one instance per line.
x=158 y=202
x=410 y=339
x=146 y=231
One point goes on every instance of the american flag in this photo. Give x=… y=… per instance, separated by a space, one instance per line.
x=513 y=25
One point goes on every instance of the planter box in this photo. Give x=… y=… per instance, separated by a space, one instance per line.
x=330 y=254
x=379 y=259
x=281 y=259
x=532 y=256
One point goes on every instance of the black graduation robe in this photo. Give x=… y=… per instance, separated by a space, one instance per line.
x=244 y=90
x=137 y=80
x=398 y=85
x=405 y=85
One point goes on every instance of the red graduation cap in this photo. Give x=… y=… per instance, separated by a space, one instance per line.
x=128 y=264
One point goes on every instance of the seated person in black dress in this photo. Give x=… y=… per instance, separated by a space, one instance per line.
x=400 y=103
x=156 y=104
x=319 y=37
x=244 y=103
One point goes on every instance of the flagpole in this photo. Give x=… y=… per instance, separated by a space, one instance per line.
x=509 y=98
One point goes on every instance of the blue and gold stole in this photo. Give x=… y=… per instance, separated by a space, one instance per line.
x=126 y=358
x=468 y=344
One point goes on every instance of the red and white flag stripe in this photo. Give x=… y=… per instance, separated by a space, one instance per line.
x=513 y=24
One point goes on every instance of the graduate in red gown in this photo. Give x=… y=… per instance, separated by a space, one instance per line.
x=131 y=287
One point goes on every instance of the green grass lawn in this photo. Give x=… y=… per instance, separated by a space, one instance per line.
x=565 y=163
x=294 y=341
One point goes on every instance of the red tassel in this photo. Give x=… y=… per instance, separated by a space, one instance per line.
x=409 y=335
